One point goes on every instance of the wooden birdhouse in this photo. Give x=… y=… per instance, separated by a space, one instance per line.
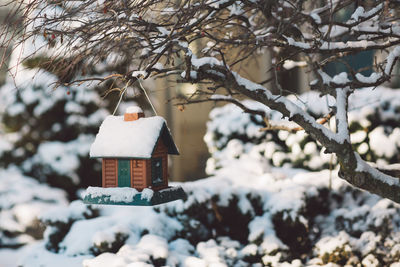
x=134 y=152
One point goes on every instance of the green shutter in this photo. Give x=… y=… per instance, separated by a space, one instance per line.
x=156 y=171
x=124 y=173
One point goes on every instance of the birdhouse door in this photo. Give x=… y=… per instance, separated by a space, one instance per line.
x=124 y=173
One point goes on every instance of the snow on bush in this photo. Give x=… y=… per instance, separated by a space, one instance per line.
x=236 y=218
x=248 y=212
x=22 y=199
x=47 y=132
x=374 y=125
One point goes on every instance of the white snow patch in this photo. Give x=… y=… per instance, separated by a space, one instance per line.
x=373 y=78
x=116 y=194
x=362 y=166
x=139 y=73
x=290 y=64
x=382 y=144
x=147 y=194
x=329 y=244
x=340 y=78
x=316 y=17
x=119 y=138
x=133 y=109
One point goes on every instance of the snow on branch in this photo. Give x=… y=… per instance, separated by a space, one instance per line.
x=208 y=68
x=341 y=114
x=338 y=143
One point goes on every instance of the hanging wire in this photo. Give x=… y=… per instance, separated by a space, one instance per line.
x=145 y=93
x=120 y=98
x=147 y=96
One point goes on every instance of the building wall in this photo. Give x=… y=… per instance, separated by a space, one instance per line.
x=161 y=151
x=109 y=173
x=138 y=173
x=188 y=125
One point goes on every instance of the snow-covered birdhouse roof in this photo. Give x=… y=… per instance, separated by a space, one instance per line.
x=118 y=138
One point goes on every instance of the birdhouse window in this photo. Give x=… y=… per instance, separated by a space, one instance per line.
x=156 y=171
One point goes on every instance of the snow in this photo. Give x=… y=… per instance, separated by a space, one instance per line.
x=139 y=73
x=343 y=45
x=363 y=148
x=133 y=109
x=133 y=255
x=75 y=211
x=193 y=74
x=340 y=78
x=325 y=77
x=300 y=45
x=316 y=17
x=38 y=256
x=152 y=234
x=115 y=194
x=310 y=148
x=359 y=12
x=53 y=120
x=335 y=30
x=290 y=64
x=243 y=183
x=13 y=257
x=147 y=194
x=395 y=53
x=261 y=227
x=329 y=244
x=56 y=154
x=64 y=157
x=105 y=259
x=381 y=144
x=158 y=66
x=119 y=138
x=86 y=233
x=291 y=106
x=155 y=245
x=225 y=97
x=198 y=62
x=22 y=199
x=358 y=137
x=341 y=113
x=365 y=110
x=373 y=78
x=29 y=82
x=362 y=166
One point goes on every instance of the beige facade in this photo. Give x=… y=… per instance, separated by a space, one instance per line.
x=188 y=126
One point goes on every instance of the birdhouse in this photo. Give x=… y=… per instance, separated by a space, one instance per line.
x=134 y=152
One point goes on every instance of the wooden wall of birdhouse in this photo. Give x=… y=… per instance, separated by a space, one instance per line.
x=110 y=172
x=138 y=173
x=157 y=167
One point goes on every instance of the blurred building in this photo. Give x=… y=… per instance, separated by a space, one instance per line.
x=188 y=125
